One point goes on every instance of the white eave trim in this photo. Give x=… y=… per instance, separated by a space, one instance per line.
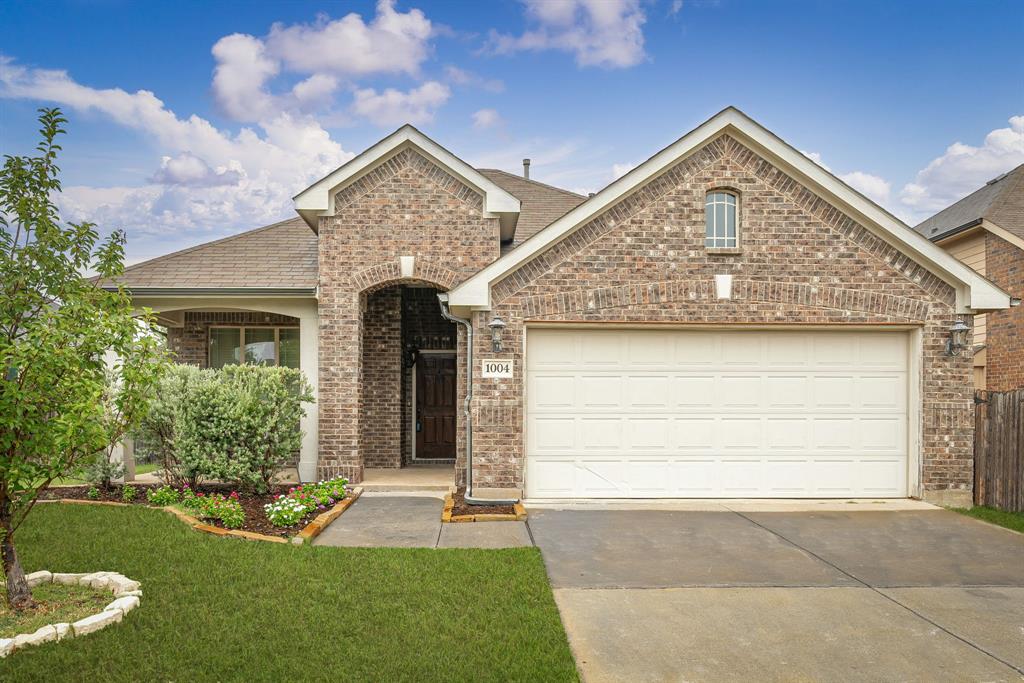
x=316 y=200
x=974 y=292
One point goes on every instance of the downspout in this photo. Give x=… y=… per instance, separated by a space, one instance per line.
x=467 y=410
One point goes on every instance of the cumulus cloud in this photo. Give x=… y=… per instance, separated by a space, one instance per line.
x=486 y=118
x=605 y=33
x=208 y=180
x=964 y=168
x=874 y=187
x=395 y=107
x=326 y=52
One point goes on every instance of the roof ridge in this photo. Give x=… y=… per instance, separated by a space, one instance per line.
x=202 y=245
x=531 y=180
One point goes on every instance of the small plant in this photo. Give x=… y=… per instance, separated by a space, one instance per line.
x=285 y=511
x=165 y=495
x=215 y=506
x=93 y=493
x=288 y=508
x=103 y=471
x=128 y=494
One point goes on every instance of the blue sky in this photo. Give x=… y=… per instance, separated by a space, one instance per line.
x=190 y=121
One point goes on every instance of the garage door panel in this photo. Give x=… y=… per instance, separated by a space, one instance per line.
x=664 y=413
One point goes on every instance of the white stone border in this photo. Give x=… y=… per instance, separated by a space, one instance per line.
x=127 y=594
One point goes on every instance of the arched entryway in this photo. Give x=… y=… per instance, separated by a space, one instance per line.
x=408 y=382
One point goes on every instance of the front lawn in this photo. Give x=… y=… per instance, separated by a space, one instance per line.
x=229 y=610
x=1010 y=520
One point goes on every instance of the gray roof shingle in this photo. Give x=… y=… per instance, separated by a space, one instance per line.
x=1000 y=201
x=540 y=204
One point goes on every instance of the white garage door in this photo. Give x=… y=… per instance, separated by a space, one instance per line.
x=698 y=414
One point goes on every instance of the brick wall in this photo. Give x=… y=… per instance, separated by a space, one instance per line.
x=407 y=206
x=381 y=424
x=1004 y=264
x=802 y=261
x=191 y=342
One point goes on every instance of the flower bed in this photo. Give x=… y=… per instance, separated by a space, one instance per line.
x=283 y=512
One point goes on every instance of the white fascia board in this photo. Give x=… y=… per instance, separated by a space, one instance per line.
x=315 y=200
x=973 y=291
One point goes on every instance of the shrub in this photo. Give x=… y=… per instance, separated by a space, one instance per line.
x=215 y=506
x=165 y=495
x=239 y=424
x=102 y=471
x=93 y=493
x=128 y=494
x=285 y=511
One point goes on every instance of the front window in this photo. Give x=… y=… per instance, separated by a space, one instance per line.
x=254 y=345
x=720 y=220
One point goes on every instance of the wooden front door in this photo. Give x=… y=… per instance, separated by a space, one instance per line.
x=435 y=406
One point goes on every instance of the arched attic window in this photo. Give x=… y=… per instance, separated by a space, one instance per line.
x=721 y=219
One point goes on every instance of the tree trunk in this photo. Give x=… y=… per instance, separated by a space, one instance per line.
x=18 y=594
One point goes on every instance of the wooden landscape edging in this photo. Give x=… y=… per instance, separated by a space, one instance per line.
x=320 y=522
x=449 y=504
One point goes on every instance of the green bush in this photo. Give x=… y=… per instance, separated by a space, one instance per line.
x=165 y=495
x=93 y=493
x=128 y=494
x=239 y=424
x=101 y=471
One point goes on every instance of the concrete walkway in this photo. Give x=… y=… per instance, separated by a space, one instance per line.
x=414 y=521
x=924 y=595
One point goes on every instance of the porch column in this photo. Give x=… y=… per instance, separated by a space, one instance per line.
x=309 y=363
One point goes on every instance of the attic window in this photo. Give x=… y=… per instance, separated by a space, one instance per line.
x=721 y=220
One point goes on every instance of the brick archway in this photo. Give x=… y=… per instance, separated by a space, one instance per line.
x=383 y=275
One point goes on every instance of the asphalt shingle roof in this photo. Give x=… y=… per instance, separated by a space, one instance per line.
x=1000 y=201
x=284 y=254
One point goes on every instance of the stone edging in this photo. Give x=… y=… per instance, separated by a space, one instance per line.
x=449 y=505
x=308 y=533
x=127 y=596
x=320 y=522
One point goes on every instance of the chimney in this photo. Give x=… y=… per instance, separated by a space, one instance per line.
x=526 y=168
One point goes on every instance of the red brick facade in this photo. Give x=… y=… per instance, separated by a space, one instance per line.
x=802 y=261
x=407 y=206
x=1004 y=265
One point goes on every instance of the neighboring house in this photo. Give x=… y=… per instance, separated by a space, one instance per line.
x=727 y=319
x=985 y=230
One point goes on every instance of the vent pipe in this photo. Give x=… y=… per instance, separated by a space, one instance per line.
x=526 y=168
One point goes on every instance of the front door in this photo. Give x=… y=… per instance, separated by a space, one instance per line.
x=435 y=406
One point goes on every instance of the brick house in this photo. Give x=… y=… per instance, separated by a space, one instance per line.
x=985 y=230
x=727 y=319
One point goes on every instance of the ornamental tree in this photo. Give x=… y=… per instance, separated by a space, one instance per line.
x=77 y=363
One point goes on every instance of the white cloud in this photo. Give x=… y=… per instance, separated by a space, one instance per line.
x=963 y=169
x=209 y=180
x=606 y=33
x=874 y=187
x=486 y=118
x=458 y=76
x=674 y=8
x=394 y=107
x=189 y=170
x=394 y=42
x=240 y=77
x=619 y=170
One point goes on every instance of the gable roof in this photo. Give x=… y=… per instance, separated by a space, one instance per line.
x=317 y=199
x=999 y=201
x=280 y=256
x=540 y=204
x=973 y=292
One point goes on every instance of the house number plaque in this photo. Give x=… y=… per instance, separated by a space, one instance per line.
x=497 y=368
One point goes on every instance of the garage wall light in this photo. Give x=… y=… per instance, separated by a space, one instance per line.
x=497 y=326
x=957 y=338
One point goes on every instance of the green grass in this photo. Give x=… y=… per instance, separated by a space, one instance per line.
x=146 y=468
x=55 y=604
x=218 y=609
x=1010 y=520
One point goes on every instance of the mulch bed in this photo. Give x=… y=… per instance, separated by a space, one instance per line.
x=255 y=518
x=463 y=508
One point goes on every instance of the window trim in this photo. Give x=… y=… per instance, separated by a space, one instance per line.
x=736 y=247
x=241 y=340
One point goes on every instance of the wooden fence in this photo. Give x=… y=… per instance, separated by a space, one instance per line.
x=999 y=449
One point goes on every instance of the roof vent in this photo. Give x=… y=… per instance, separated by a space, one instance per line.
x=997 y=178
x=526 y=168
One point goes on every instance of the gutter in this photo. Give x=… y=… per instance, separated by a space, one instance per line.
x=467 y=412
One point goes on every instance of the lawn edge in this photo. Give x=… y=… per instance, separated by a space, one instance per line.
x=966 y=512
x=323 y=520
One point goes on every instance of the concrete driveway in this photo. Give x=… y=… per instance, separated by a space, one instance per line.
x=651 y=595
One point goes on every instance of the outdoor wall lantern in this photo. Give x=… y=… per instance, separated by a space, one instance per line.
x=957 y=338
x=497 y=326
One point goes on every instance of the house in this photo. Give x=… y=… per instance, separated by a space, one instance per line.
x=985 y=230
x=727 y=319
